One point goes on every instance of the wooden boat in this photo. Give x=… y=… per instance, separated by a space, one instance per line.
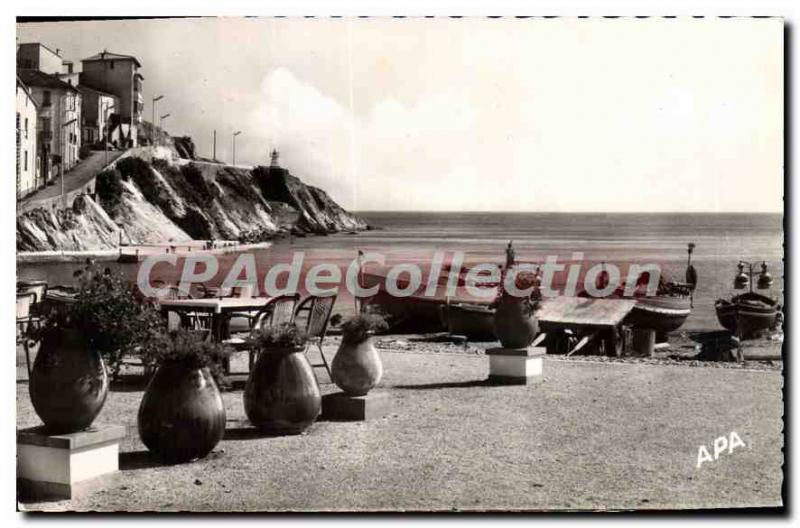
x=748 y=314
x=662 y=313
x=475 y=321
x=417 y=312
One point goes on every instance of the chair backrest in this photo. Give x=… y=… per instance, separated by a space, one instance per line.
x=243 y=292
x=319 y=313
x=173 y=292
x=38 y=289
x=283 y=309
x=24 y=302
x=277 y=311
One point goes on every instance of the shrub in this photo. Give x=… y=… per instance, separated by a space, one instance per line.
x=112 y=315
x=194 y=177
x=163 y=166
x=108 y=187
x=132 y=167
x=286 y=335
x=195 y=224
x=139 y=171
x=358 y=328
x=189 y=348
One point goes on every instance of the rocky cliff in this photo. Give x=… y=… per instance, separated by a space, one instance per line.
x=154 y=196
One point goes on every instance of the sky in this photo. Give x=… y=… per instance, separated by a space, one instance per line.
x=565 y=114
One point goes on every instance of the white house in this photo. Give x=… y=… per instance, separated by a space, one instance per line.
x=28 y=179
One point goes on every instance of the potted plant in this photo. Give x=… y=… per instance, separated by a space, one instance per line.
x=104 y=321
x=515 y=324
x=282 y=394
x=182 y=416
x=357 y=367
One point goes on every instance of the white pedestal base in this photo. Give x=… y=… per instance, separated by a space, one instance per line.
x=516 y=366
x=58 y=466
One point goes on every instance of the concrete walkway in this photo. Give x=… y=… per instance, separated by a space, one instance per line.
x=84 y=172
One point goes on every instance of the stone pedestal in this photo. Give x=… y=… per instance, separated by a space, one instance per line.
x=61 y=466
x=516 y=366
x=342 y=406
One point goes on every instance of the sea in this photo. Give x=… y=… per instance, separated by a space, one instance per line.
x=720 y=242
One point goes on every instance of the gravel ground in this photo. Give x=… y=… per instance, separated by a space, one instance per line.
x=594 y=435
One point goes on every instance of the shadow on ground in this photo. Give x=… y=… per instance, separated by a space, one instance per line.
x=134 y=460
x=448 y=385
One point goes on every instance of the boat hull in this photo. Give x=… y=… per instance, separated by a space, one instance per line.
x=473 y=321
x=414 y=314
x=755 y=313
x=660 y=313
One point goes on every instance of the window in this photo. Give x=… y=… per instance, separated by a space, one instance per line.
x=26 y=160
x=46 y=98
x=112 y=65
x=26 y=128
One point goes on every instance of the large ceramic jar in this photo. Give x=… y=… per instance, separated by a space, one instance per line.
x=69 y=383
x=182 y=416
x=357 y=367
x=282 y=394
x=515 y=325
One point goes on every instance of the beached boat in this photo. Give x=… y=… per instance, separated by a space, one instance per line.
x=664 y=312
x=747 y=314
x=414 y=313
x=751 y=313
x=475 y=321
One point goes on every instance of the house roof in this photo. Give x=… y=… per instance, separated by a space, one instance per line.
x=43 y=80
x=84 y=87
x=27 y=91
x=107 y=55
x=41 y=45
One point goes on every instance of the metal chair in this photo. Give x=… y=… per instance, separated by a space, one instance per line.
x=38 y=288
x=319 y=310
x=277 y=310
x=190 y=320
x=25 y=302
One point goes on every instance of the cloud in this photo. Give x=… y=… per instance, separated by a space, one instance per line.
x=359 y=160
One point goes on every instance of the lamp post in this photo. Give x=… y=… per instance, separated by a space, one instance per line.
x=106 y=108
x=234 y=146
x=153 y=122
x=161 y=121
x=744 y=278
x=63 y=156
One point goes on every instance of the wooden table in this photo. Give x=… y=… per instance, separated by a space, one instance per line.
x=217 y=308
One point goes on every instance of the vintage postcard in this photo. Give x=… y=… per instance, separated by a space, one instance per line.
x=400 y=264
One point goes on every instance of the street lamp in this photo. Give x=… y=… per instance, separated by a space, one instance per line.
x=161 y=121
x=744 y=278
x=153 y=122
x=106 y=108
x=234 y=146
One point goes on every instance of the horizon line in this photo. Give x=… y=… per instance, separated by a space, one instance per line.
x=557 y=212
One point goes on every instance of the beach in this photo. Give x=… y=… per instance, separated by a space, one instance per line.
x=589 y=436
x=721 y=240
